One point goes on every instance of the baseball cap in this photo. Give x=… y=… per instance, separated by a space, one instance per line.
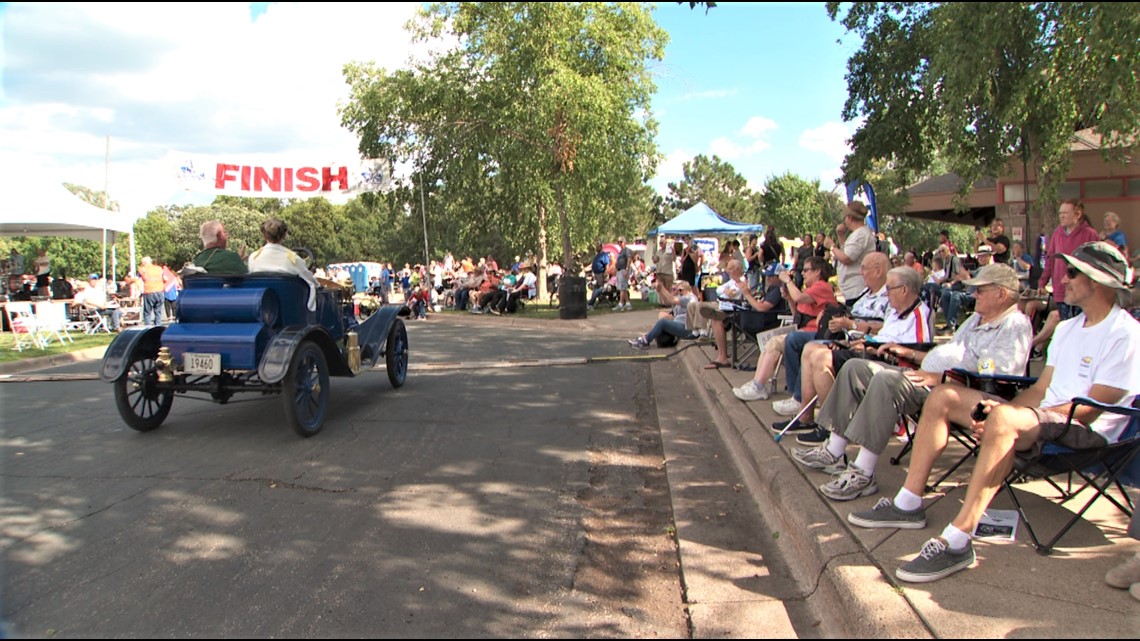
x=93 y=277
x=985 y=249
x=995 y=274
x=1102 y=263
x=771 y=269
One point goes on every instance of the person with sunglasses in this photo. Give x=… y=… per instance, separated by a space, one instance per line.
x=1094 y=356
x=674 y=322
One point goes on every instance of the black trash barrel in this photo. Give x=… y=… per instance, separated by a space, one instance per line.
x=572 y=297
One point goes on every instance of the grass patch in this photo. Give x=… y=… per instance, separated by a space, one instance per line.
x=8 y=353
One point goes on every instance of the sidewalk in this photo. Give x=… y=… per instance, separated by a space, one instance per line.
x=1012 y=591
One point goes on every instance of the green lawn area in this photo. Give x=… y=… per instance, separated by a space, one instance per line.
x=9 y=354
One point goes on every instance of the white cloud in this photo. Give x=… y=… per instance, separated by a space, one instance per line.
x=726 y=149
x=758 y=126
x=173 y=77
x=829 y=139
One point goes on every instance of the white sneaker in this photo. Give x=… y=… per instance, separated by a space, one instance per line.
x=629 y=307
x=618 y=308
x=750 y=391
x=787 y=407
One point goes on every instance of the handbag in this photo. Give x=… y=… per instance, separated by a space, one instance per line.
x=830 y=312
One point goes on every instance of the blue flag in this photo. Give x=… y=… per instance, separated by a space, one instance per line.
x=873 y=216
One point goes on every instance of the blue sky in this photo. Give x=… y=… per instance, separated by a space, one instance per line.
x=760 y=85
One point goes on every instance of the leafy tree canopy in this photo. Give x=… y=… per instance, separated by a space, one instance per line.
x=718 y=185
x=979 y=82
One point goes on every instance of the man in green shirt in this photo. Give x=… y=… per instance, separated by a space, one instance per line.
x=215 y=258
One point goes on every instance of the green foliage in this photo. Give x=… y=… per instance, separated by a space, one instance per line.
x=718 y=185
x=795 y=206
x=978 y=82
x=532 y=123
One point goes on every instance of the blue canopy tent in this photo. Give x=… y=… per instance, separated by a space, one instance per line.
x=701 y=219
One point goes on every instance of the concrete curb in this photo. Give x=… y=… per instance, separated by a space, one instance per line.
x=40 y=362
x=844 y=583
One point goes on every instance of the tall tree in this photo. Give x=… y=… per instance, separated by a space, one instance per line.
x=979 y=82
x=541 y=106
x=718 y=185
x=796 y=206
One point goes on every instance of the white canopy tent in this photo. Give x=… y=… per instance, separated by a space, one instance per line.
x=52 y=210
x=45 y=208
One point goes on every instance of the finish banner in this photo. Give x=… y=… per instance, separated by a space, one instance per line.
x=235 y=176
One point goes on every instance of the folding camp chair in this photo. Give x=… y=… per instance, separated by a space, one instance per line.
x=1100 y=469
x=25 y=328
x=1004 y=385
x=745 y=325
x=51 y=316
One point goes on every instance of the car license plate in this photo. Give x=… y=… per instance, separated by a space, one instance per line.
x=198 y=363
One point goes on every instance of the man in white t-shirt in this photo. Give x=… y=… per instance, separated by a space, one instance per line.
x=1092 y=355
x=275 y=257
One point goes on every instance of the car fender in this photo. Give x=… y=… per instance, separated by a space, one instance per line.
x=373 y=332
x=120 y=353
x=279 y=353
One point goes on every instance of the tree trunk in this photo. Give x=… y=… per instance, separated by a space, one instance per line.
x=569 y=267
x=542 y=261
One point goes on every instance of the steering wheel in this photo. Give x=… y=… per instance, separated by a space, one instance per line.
x=306 y=255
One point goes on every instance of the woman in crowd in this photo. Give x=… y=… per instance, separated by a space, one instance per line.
x=673 y=322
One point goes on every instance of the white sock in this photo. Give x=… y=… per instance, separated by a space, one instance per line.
x=955 y=538
x=907 y=501
x=836 y=445
x=866 y=461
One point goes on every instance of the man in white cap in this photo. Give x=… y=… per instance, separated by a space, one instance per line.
x=1094 y=355
x=869 y=396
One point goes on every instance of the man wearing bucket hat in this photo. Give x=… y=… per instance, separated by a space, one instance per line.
x=1094 y=356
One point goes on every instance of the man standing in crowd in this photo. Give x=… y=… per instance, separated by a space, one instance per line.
x=1073 y=231
x=153 y=298
x=621 y=271
x=856 y=241
x=996 y=240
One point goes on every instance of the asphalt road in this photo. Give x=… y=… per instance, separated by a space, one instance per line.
x=514 y=487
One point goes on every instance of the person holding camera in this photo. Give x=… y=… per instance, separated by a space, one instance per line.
x=855 y=240
x=996 y=240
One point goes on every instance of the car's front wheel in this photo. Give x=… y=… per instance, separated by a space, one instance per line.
x=396 y=354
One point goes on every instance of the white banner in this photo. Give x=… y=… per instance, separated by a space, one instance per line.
x=233 y=176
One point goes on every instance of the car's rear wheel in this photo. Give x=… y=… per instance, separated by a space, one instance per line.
x=396 y=354
x=306 y=389
x=140 y=401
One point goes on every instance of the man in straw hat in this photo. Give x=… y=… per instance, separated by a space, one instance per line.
x=1095 y=356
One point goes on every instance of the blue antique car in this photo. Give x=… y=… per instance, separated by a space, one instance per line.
x=253 y=333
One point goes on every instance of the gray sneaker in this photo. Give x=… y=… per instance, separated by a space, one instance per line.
x=849 y=484
x=818 y=458
x=638 y=343
x=885 y=514
x=750 y=391
x=935 y=561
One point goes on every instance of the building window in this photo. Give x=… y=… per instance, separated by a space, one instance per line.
x=1134 y=187
x=1015 y=192
x=1113 y=188
x=1071 y=189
